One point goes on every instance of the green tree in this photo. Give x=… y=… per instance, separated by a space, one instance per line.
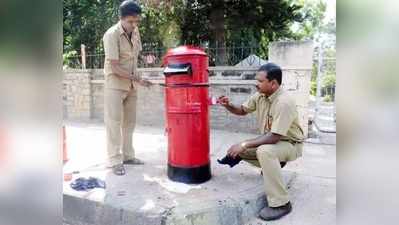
x=329 y=86
x=312 y=24
x=315 y=28
x=158 y=28
x=216 y=24
x=221 y=23
x=85 y=22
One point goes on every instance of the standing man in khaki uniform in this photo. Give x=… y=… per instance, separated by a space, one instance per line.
x=281 y=139
x=122 y=45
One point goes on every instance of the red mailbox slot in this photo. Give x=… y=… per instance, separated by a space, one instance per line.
x=187 y=117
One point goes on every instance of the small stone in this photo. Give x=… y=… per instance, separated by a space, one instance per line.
x=68 y=176
x=121 y=193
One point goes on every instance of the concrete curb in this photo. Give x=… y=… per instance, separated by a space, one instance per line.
x=224 y=211
x=80 y=211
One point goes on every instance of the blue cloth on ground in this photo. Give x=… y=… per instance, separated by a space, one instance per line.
x=84 y=184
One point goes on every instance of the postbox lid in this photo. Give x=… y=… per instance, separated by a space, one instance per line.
x=185 y=50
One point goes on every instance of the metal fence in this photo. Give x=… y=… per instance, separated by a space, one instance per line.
x=229 y=56
x=322 y=108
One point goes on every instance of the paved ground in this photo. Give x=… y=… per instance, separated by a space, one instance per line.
x=233 y=196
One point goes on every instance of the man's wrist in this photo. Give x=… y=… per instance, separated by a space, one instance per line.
x=229 y=106
x=244 y=145
x=135 y=77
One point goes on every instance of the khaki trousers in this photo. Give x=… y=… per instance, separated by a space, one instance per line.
x=268 y=157
x=120 y=120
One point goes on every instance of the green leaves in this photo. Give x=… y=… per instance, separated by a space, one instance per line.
x=170 y=23
x=85 y=22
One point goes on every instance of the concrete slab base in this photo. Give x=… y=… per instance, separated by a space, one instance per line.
x=146 y=196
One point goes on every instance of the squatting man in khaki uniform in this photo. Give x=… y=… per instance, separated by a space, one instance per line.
x=122 y=45
x=280 y=142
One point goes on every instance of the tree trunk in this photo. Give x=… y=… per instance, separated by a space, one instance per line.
x=218 y=32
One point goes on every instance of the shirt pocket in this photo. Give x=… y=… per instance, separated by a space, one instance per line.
x=126 y=50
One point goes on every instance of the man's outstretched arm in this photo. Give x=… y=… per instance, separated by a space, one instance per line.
x=237 y=110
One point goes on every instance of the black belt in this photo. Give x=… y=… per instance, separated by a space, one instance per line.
x=293 y=142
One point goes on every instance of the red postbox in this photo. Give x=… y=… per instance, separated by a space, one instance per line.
x=187 y=119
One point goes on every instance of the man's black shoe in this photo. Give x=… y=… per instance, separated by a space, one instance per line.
x=229 y=160
x=274 y=213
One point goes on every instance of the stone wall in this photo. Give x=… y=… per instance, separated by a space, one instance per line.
x=77 y=94
x=84 y=90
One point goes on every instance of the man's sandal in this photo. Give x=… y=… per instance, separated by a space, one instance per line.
x=119 y=170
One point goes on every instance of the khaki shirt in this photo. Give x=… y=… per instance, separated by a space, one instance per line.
x=117 y=46
x=277 y=114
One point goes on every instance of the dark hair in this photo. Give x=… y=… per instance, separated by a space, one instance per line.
x=273 y=72
x=129 y=8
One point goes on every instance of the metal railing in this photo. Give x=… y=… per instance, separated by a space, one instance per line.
x=229 y=56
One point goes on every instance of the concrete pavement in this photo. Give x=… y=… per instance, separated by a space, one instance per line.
x=233 y=196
